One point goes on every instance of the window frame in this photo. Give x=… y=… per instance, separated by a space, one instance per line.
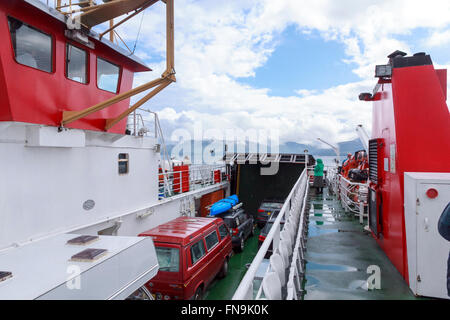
x=216 y=244
x=66 y=64
x=52 y=41
x=190 y=252
x=119 y=77
x=179 y=250
x=227 y=231
x=127 y=160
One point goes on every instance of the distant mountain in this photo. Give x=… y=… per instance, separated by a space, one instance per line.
x=344 y=147
x=288 y=147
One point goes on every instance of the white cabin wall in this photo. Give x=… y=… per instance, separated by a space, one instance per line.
x=134 y=223
x=42 y=189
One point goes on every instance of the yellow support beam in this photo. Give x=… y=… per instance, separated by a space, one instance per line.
x=71 y=116
x=167 y=78
x=111 y=122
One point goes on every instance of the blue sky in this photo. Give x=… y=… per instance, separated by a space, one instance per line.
x=305 y=61
x=295 y=66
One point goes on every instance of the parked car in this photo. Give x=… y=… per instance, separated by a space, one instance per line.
x=266 y=209
x=191 y=253
x=265 y=231
x=242 y=226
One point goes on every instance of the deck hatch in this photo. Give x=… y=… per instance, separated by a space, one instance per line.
x=82 y=240
x=89 y=255
x=4 y=275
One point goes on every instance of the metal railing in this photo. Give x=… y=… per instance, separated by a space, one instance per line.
x=333 y=179
x=189 y=178
x=288 y=244
x=353 y=197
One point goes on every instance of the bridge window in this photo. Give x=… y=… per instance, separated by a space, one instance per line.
x=32 y=48
x=76 y=64
x=107 y=75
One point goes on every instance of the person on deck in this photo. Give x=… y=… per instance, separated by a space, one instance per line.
x=349 y=155
x=318 y=176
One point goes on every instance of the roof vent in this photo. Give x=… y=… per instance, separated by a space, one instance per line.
x=89 y=255
x=83 y=240
x=4 y=275
x=397 y=53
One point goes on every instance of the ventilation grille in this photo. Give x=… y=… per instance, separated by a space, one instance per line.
x=373 y=160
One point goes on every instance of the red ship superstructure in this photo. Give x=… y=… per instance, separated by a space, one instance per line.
x=410 y=169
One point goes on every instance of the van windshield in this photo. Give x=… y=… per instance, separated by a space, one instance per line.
x=168 y=259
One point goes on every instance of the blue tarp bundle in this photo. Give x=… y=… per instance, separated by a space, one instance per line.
x=224 y=205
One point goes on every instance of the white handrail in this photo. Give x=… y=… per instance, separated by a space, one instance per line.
x=347 y=188
x=245 y=289
x=193 y=178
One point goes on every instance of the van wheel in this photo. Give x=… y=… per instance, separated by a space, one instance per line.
x=198 y=294
x=224 y=270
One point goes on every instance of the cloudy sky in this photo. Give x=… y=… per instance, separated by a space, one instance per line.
x=292 y=65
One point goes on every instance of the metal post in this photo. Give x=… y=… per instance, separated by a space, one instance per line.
x=134 y=123
x=306 y=160
x=361 y=213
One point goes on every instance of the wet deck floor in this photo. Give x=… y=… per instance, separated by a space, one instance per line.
x=338 y=254
x=224 y=289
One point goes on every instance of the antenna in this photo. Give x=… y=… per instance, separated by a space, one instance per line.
x=336 y=149
x=363 y=136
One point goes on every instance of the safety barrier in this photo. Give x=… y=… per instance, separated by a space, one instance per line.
x=189 y=178
x=353 y=197
x=280 y=277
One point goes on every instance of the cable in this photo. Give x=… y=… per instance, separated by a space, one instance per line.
x=139 y=32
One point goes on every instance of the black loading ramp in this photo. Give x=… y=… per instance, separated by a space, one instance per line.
x=252 y=187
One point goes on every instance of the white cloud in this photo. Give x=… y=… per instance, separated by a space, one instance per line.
x=217 y=42
x=438 y=38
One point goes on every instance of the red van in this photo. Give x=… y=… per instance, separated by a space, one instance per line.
x=191 y=253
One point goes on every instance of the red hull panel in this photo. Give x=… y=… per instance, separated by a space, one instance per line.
x=412 y=117
x=34 y=96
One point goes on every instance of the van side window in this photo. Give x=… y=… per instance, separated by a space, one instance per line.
x=32 y=47
x=211 y=240
x=197 y=251
x=223 y=231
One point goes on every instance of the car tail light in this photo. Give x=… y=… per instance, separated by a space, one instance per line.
x=262 y=238
x=261 y=210
x=235 y=231
x=176 y=286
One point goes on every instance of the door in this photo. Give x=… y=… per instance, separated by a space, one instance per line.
x=432 y=248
